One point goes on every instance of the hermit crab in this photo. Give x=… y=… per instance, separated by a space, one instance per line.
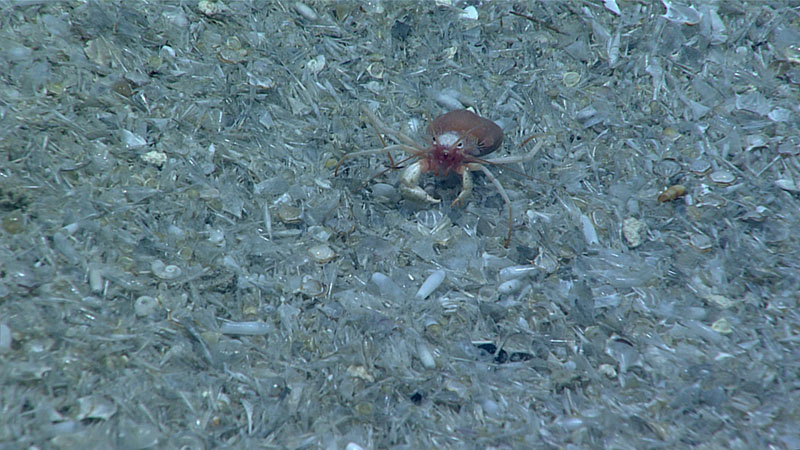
x=459 y=141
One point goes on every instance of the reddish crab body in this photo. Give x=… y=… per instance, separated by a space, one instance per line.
x=459 y=140
x=459 y=135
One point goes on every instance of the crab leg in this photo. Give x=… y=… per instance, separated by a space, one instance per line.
x=518 y=158
x=373 y=151
x=381 y=127
x=466 y=188
x=409 y=184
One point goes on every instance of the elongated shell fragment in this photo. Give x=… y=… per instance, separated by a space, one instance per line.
x=431 y=284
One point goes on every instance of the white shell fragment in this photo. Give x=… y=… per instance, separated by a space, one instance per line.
x=96 y=280
x=375 y=70
x=700 y=242
x=431 y=284
x=321 y=253
x=289 y=214
x=155 y=158
x=787 y=185
x=316 y=64
x=386 y=286
x=268 y=221
x=722 y=177
x=254 y=328
x=5 y=338
x=514 y=272
x=132 y=140
x=425 y=356
x=469 y=13
x=722 y=326
x=686 y=15
x=589 y=232
x=634 y=231
x=571 y=79
x=700 y=167
x=164 y=271
x=360 y=372
x=305 y=11
x=260 y=82
x=95 y=407
x=509 y=287
x=211 y=8
x=612 y=6
x=145 y=305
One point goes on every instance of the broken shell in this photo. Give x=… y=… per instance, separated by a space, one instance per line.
x=700 y=242
x=316 y=64
x=265 y=83
x=144 y=306
x=375 y=70
x=546 y=262
x=469 y=13
x=360 y=372
x=667 y=168
x=321 y=253
x=755 y=141
x=211 y=8
x=311 y=287
x=722 y=326
x=722 y=177
x=571 y=79
x=700 y=167
x=787 y=185
x=757 y=214
x=165 y=272
x=289 y=214
x=672 y=193
x=96 y=407
x=232 y=52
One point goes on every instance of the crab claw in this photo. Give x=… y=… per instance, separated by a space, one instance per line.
x=409 y=185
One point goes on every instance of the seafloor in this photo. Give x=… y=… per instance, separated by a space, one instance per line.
x=180 y=268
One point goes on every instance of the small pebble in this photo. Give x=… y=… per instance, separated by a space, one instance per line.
x=634 y=231
x=672 y=193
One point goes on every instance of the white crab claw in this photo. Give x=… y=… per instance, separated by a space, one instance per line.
x=409 y=185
